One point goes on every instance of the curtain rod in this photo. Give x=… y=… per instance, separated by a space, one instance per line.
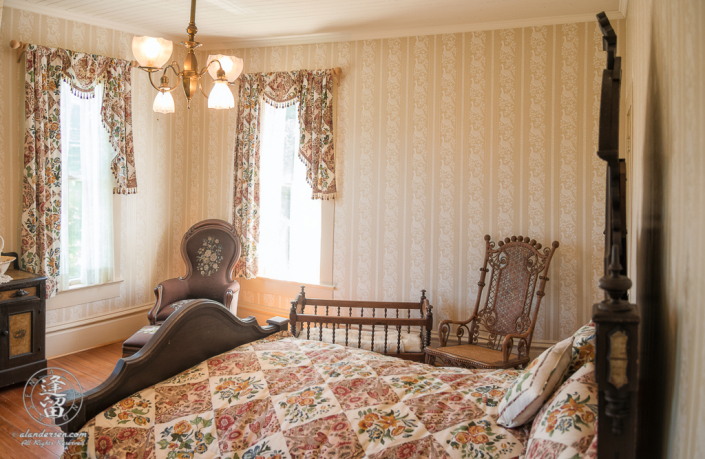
x=21 y=47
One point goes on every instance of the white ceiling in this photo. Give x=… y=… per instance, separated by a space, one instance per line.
x=233 y=21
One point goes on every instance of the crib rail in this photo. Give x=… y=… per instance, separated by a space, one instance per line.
x=353 y=323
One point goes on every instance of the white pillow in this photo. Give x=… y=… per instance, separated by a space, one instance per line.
x=535 y=385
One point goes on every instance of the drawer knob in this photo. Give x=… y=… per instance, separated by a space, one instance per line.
x=5 y=332
x=20 y=293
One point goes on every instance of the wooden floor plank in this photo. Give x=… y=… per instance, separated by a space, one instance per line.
x=90 y=367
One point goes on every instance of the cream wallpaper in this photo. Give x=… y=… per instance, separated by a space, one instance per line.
x=143 y=221
x=440 y=140
x=666 y=44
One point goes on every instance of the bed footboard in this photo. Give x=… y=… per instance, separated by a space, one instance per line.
x=386 y=325
x=189 y=336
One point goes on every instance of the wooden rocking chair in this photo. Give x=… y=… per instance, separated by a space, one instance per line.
x=506 y=317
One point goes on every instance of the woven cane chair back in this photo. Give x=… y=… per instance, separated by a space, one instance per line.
x=516 y=267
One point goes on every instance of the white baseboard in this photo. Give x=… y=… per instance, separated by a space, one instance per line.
x=84 y=334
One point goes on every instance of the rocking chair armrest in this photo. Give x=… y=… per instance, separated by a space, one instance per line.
x=508 y=343
x=167 y=292
x=444 y=328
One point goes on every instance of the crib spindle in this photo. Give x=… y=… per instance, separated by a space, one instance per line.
x=359 y=337
x=398 y=337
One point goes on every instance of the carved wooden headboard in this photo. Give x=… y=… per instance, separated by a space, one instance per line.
x=617 y=320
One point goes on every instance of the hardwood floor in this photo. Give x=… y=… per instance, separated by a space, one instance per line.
x=90 y=367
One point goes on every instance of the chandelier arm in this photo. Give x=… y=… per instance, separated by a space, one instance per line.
x=152 y=82
x=205 y=69
x=178 y=77
x=200 y=86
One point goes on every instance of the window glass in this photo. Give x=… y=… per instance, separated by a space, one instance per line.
x=86 y=211
x=290 y=221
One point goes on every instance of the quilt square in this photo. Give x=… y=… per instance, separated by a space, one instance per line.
x=305 y=405
x=426 y=448
x=134 y=411
x=330 y=437
x=173 y=402
x=397 y=367
x=361 y=354
x=233 y=363
x=320 y=356
x=241 y=426
x=197 y=373
x=283 y=345
x=310 y=345
x=235 y=390
x=273 y=447
x=192 y=437
x=356 y=393
x=487 y=393
x=291 y=379
x=384 y=426
x=416 y=385
x=119 y=441
x=280 y=359
x=460 y=381
x=344 y=370
x=442 y=410
x=479 y=438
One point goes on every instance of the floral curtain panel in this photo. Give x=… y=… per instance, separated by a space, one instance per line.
x=45 y=68
x=313 y=90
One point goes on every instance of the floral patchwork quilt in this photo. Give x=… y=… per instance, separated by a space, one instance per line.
x=283 y=397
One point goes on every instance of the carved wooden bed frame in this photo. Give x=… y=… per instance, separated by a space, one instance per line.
x=206 y=329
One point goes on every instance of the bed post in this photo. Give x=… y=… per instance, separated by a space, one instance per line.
x=616 y=320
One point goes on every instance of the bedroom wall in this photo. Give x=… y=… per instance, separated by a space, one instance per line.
x=666 y=52
x=442 y=139
x=144 y=239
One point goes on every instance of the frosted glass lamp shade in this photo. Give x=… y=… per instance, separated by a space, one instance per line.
x=151 y=52
x=221 y=98
x=232 y=66
x=164 y=103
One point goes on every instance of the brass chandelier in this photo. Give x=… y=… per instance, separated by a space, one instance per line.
x=152 y=53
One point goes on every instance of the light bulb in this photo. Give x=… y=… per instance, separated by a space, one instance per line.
x=221 y=98
x=151 y=52
x=151 y=48
x=163 y=103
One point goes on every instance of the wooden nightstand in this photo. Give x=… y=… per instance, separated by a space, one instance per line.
x=22 y=326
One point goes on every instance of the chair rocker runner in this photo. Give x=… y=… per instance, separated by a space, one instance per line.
x=519 y=273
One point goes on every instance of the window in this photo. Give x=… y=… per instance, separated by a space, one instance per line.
x=87 y=184
x=290 y=221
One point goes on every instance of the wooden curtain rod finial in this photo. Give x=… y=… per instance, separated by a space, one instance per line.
x=20 y=47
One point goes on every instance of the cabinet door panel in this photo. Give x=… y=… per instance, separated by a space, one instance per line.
x=21 y=342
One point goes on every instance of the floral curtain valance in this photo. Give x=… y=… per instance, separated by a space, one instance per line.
x=45 y=68
x=313 y=91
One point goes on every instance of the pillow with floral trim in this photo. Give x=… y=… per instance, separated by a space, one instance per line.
x=566 y=425
x=535 y=385
x=583 y=347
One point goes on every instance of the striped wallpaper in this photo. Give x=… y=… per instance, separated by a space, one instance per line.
x=442 y=139
x=143 y=221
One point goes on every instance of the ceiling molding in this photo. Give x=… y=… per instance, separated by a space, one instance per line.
x=86 y=19
x=396 y=33
x=623 y=6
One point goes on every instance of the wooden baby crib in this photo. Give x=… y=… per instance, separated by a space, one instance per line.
x=392 y=325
